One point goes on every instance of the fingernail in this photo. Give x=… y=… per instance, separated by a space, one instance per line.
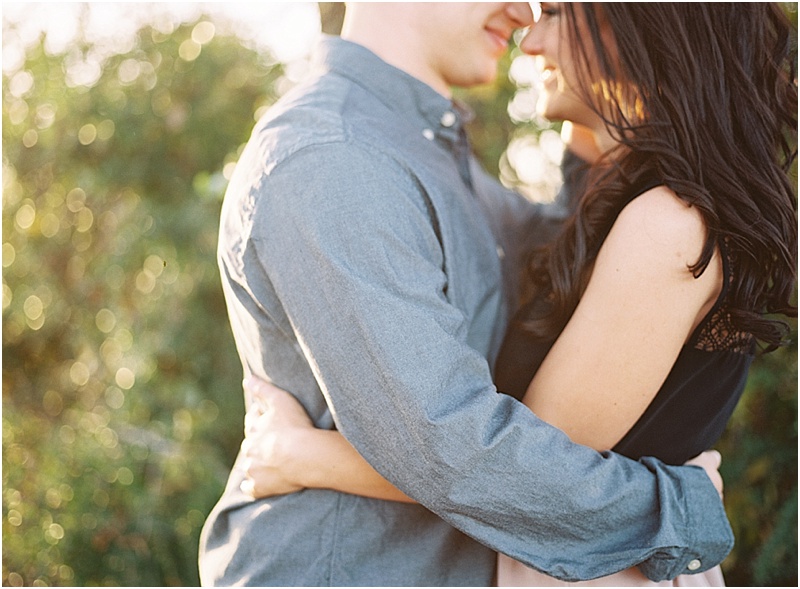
x=252 y=384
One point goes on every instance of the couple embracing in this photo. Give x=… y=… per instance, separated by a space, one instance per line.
x=472 y=374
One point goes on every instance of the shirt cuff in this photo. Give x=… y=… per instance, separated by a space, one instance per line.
x=707 y=529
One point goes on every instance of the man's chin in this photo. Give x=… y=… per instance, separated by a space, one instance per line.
x=477 y=78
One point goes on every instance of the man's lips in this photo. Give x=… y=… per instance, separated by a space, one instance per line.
x=499 y=39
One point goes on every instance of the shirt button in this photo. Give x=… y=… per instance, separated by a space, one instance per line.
x=428 y=134
x=448 y=119
x=501 y=253
x=693 y=565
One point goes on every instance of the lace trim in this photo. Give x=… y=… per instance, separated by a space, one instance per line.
x=718 y=334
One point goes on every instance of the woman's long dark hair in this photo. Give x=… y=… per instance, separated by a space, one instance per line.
x=703 y=99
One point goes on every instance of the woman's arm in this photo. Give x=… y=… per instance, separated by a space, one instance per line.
x=640 y=306
x=285 y=453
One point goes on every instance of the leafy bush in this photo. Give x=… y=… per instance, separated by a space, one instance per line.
x=122 y=406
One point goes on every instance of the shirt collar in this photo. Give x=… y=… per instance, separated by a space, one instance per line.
x=436 y=115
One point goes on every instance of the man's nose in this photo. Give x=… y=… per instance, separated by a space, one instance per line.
x=520 y=13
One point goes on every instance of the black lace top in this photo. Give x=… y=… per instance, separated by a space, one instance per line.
x=689 y=412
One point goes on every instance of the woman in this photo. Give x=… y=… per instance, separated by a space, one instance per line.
x=642 y=318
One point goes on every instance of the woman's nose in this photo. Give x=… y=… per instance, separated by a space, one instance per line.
x=532 y=43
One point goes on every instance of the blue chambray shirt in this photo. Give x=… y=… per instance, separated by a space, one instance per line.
x=362 y=274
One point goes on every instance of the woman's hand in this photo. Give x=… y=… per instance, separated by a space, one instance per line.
x=710 y=461
x=284 y=452
x=273 y=424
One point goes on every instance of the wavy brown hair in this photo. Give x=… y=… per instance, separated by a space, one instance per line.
x=702 y=98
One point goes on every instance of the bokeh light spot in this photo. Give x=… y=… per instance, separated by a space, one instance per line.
x=45 y=115
x=53 y=498
x=524 y=70
x=52 y=403
x=9 y=254
x=84 y=220
x=125 y=378
x=76 y=199
x=50 y=225
x=111 y=352
x=15 y=580
x=128 y=71
x=76 y=268
x=114 y=397
x=208 y=410
x=65 y=572
x=13 y=497
x=189 y=50
x=14 y=517
x=108 y=438
x=35 y=324
x=13 y=54
x=88 y=521
x=100 y=498
x=67 y=494
x=124 y=476
x=105 y=130
x=154 y=265
x=53 y=534
x=145 y=282
x=67 y=434
x=182 y=425
x=17 y=111
x=20 y=84
x=203 y=32
x=79 y=373
x=105 y=320
x=87 y=134
x=8 y=296
x=33 y=307
x=124 y=338
x=25 y=216
x=30 y=138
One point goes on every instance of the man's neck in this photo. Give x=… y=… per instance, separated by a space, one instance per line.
x=400 y=48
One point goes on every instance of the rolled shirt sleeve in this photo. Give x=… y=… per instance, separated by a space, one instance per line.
x=361 y=274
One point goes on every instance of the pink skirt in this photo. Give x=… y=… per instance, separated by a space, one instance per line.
x=511 y=573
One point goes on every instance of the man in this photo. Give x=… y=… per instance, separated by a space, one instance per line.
x=367 y=264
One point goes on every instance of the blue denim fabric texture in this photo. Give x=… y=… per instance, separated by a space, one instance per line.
x=363 y=275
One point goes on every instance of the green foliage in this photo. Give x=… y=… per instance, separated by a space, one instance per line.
x=122 y=405
x=760 y=472
x=121 y=385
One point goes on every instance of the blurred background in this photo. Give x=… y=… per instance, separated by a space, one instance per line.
x=122 y=403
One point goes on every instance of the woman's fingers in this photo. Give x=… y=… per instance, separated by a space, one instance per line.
x=715 y=458
x=248 y=488
x=254 y=415
x=260 y=388
x=710 y=461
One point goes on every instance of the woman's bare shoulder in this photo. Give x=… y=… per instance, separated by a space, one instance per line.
x=662 y=224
